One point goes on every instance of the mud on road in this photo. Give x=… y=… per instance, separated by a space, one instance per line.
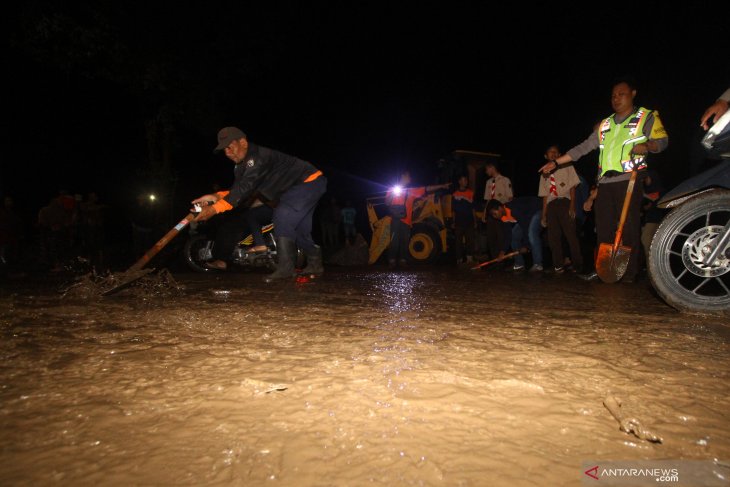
x=426 y=376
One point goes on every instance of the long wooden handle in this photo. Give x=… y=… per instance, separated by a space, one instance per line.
x=506 y=256
x=624 y=210
x=162 y=242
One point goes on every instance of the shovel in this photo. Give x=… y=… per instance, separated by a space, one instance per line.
x=612 y=260
x=136 y=272
x=506 y=256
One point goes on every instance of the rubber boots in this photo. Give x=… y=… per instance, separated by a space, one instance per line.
x=286 y=253
x=314 y=265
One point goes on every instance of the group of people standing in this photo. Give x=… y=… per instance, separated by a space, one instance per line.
x=514 y=224
x=335 y=221
x=71 y=225
x=624 y=140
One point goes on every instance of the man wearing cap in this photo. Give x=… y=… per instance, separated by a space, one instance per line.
x=294 y=186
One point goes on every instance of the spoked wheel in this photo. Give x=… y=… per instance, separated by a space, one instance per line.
x=677 y=267
x=197 y=251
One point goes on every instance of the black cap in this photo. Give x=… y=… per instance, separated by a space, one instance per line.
x=227 y=135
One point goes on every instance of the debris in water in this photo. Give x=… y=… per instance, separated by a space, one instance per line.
x=142 y=282
x=160 y=284
x=87 y=286
x=629 y=425
x=260 y=387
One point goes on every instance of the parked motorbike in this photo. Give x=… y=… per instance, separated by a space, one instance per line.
x=689 y=258
x=198 y=250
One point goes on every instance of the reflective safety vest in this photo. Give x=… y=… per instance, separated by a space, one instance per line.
x=507 y=217
x=616 y=141
x=466 y=195
x=401 y=205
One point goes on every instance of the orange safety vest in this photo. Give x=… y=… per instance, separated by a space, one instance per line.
x=467 y=195
x=406 y=198
x=508 y=218
x=313 y=176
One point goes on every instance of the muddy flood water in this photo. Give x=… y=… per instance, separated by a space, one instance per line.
x=423 y=376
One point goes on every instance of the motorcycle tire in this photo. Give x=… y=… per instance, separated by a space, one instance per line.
x=675 y=262
x=191 y=253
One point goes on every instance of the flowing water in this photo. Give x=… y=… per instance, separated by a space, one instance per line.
x=424 y=376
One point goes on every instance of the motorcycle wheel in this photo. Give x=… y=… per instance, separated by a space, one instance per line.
x=192 y=253
x=676 y=268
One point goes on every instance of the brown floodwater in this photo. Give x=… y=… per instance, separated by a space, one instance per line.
x=424 y=376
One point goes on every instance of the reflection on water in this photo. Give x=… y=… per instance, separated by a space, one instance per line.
x=416 y=377
x=398 y=291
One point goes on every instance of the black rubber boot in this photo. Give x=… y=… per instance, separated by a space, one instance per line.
x=314 y=265
x=286 y=253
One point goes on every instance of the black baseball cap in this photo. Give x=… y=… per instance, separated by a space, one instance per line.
x=227 y=135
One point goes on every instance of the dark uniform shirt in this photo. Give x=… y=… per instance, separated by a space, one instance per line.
x=462 y=203
x=268 y=173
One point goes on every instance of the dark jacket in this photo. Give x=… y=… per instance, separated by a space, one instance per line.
x=268 y=173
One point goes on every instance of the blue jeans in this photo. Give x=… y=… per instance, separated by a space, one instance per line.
x=534 y=241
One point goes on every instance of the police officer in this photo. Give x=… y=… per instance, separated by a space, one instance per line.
x=624 y=139
x=294 y=186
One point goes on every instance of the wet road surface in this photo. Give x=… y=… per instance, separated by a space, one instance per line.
x=424 y=376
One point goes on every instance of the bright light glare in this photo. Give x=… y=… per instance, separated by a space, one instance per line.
x=153 y=197
x=397 y=190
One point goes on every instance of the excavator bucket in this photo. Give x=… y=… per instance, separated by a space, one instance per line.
x=381 y=239
x=372 y=216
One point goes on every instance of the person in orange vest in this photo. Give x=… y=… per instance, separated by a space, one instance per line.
x=517 y=218
x=399 y=200
x=462 y=204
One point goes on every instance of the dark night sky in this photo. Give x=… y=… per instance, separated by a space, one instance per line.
x=360 y=90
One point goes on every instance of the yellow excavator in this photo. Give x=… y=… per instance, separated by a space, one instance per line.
x=432 y=214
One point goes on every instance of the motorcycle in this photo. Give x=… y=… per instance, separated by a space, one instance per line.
x=198 y=250
x=689 y=258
